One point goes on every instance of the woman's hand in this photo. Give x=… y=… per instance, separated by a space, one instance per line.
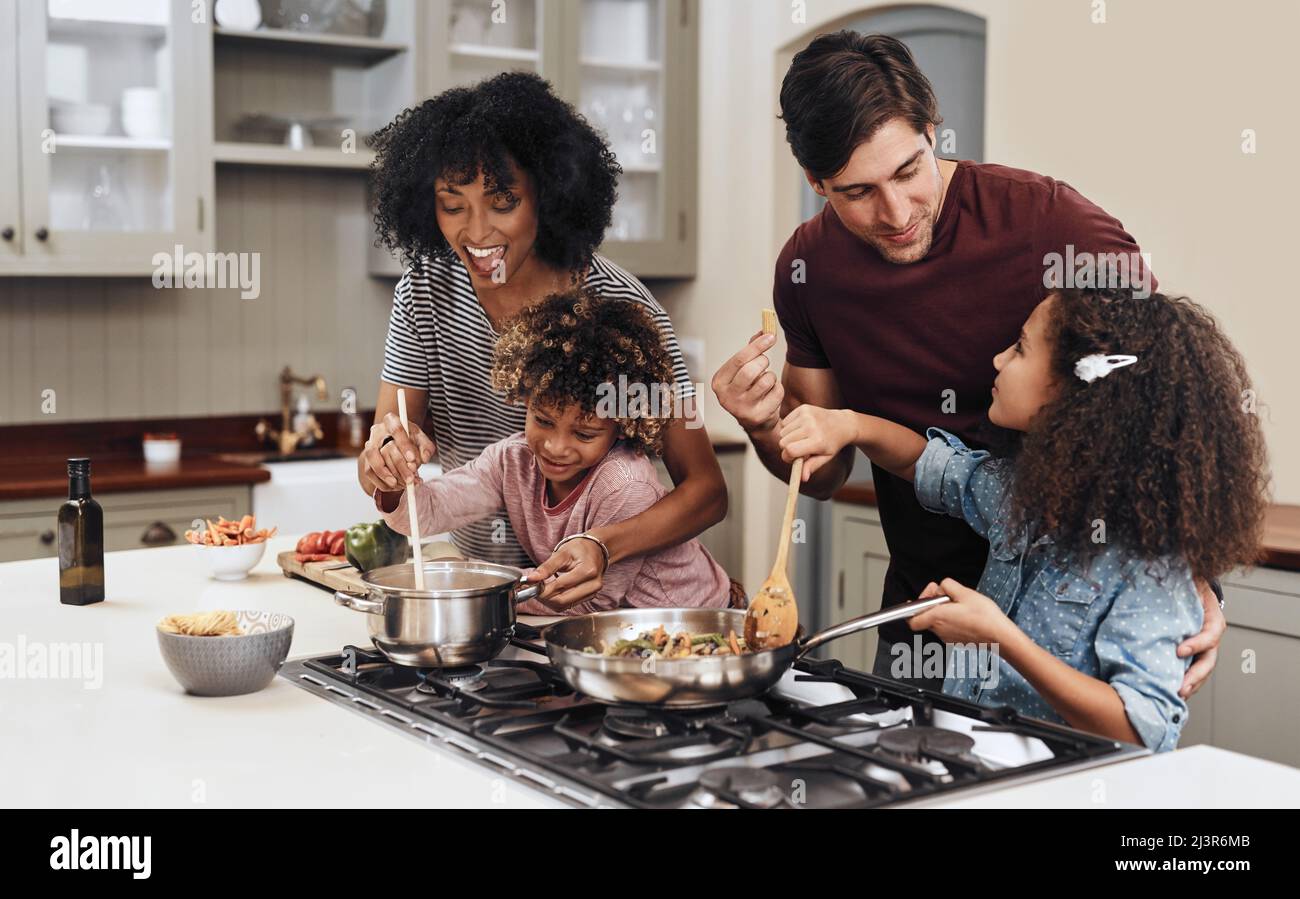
x=968 y=616
x=816 y=435
x=579 y=569
x=389 y=466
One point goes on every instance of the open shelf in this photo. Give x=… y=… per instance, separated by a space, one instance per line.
x=233 y=153
x=483 y=51
x=111 y=142
x=621 y=64
x=104 y=29
x=365 y=49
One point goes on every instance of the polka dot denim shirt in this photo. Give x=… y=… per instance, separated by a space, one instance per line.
x=1119 y=621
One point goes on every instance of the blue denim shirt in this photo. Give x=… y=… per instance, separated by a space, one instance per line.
x=1120 y=620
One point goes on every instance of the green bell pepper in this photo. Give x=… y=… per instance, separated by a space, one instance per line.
x=373 y=544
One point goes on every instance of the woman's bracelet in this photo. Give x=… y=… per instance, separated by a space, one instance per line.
x=585 y=536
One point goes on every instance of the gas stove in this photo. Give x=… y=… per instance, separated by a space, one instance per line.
x=824 y=737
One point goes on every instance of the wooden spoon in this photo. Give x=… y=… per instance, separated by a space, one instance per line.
x=416 y=560
x=773 y=617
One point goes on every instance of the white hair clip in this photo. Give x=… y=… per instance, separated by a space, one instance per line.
x=1098 y=365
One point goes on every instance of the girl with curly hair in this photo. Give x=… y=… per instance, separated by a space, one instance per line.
x=1140 y=467
x=574 y=362
x=497 y=195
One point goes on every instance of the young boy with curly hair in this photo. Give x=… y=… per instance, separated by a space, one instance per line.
x=597 y=386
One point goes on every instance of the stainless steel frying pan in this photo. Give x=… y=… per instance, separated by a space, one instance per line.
x=699 y=681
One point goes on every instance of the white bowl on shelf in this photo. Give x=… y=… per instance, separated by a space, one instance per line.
x=144 y=113
x=91 y=119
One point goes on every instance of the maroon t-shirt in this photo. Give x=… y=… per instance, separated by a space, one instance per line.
x=898 y=336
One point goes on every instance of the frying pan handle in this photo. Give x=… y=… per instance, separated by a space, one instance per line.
x=863 y=622
x=526 y=590
x=359 y=603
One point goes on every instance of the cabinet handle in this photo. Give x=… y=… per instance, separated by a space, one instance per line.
x=42 y=234
x=158 y=534
x=7 y=233
x=47 y=538
x=840 y=589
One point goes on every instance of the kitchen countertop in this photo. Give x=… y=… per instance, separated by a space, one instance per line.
x=139 y=740
x=1281 y=525
x=48 y=475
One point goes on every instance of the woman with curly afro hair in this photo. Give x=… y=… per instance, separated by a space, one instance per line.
x=579 y=464
x=1140 y=467
x=496 y=196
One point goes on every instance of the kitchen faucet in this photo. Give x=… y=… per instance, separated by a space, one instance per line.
x=288 y=438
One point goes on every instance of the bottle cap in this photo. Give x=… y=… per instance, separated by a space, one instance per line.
x=79 y=466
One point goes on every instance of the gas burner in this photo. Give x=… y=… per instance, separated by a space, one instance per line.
x=920 y=742
x=468 y=678
x=640 y=724
x=841 y=738
x=736 y=786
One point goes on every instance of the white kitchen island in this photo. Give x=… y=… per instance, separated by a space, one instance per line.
x=136 y=739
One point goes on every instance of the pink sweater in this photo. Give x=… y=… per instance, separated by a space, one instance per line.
x=619 y=486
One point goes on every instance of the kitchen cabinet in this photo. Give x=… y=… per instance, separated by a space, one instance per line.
x=859 y=559
x=725 y=540
x=27 y=526
x=308 y=97
x=112 y=143
x=1250 y=703
x=629 y=67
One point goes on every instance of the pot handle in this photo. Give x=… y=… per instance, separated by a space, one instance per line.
x=863 y=622
x=359 y=603
x=526 y=590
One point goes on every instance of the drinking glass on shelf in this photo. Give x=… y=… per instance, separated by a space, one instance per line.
x=106 y=206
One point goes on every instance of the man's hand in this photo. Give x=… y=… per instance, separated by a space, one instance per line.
x=389 y=467
x=1205 y=645
x=815 y=435
x=747 y=389
x=579 y=567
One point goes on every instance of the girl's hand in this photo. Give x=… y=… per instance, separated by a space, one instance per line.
x=815 y=435
x=968 y=616
x=579 y=569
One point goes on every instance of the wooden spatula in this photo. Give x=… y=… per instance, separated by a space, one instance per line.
x=773 y=617
x=416 y=560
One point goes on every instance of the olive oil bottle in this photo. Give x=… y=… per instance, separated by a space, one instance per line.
x=81 y=540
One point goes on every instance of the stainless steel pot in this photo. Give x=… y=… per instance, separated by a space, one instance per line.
x=686 y=683
x=465 y=614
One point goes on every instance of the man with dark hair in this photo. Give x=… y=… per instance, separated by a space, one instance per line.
x=895 y=298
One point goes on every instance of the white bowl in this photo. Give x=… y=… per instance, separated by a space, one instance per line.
x=161 y=451
x=231 y=563
x=90 y=119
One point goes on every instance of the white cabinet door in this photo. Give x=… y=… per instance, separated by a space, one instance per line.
x=11 y=234
x=630 y=67
x=860 y=558
x=112 y=123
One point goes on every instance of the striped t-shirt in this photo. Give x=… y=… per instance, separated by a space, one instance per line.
x=441 y=341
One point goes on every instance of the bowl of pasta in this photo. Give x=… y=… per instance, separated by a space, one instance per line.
x=225 y=653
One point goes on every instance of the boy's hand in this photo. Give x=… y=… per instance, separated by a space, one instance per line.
x=816 y=435
x=968 y=616
x=578 y=566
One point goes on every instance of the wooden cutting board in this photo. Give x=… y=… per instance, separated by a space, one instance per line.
x=340 y=575
x=333 y=575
